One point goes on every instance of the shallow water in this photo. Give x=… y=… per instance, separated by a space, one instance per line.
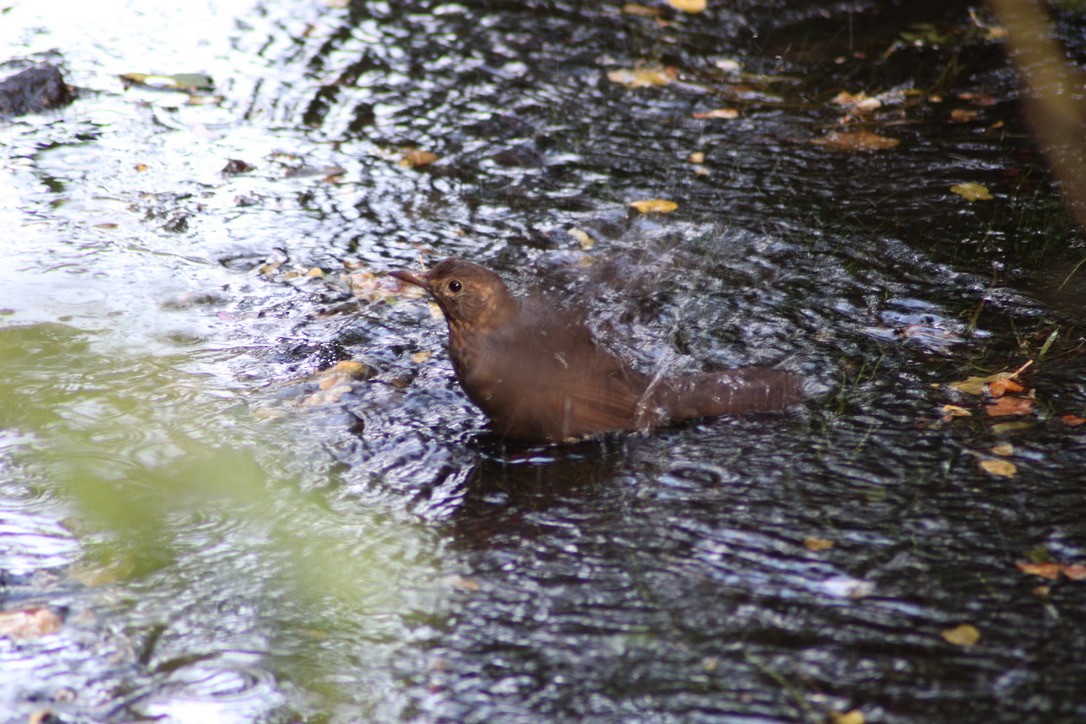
x=226 y=541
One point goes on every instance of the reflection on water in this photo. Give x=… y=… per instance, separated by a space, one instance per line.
x=226 y=544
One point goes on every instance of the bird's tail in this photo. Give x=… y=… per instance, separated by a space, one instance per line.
x=730 y=392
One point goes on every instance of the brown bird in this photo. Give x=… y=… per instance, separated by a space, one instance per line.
x=539 y=376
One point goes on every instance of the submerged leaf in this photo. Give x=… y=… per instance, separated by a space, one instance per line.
x=965 y=635
x=972 y=191
x=654 y=206
x=1002 y=468
x=642 y=77
x=688 y=6
x=853 y=141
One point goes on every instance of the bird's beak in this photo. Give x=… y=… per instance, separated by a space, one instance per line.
x=406 y=276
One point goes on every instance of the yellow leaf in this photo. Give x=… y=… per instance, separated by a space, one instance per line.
x=583 y=238
x=1002 y=468
x=950 y=411
x=1050 y=571
x=849 y=717
x=696 y=157
x=420 y=357
x=972 y=192
x=643 y=77
x=688 y=6
x=964 y=635
x=725 y=113
x=1004 y=449
x=654 y=206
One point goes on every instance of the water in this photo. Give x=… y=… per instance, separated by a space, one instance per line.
x=226 y=542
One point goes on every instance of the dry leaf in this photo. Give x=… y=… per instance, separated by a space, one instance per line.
x=644 y=77
x=725 y=113
x=855 y=141
x=972 y=191
x=29 y=623
x=583 y=238
x=1002 y=428
x=696 y=157
x=1072 y=420
x=1003 y=385
x=1003 y=449
x=641 y=10
x=1009 y=406
x=817 y=544
x=1002 y=468
x=1075 y=572
x=859 y=101
x=951 y=411
x=688 y=6
x=849 y=717
x=1043 y=570
x=964 y=635
x=415 y=157
x=420 y=357
x=963 y=115
x=654 y=206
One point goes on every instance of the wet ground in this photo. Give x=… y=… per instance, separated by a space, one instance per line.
x=196 y=524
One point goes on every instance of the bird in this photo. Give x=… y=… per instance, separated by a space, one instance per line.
x=538 y=374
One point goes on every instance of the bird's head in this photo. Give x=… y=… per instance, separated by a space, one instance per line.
x=472 y=298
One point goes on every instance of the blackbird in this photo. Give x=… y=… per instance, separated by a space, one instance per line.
x=539 y=376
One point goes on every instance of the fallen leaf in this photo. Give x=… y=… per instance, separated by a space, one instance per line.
x=1009 y=406
x=643 y=77
x=420 y=357
x=852 y=141
x=972 y=191
x=696 y=157
x=965 y=635
x=951 y=411
x=963 y=115
x=688 y=6
x=859 y=101
x=584 y=239
x=654 y=206
x=29 y=623
x=1042 y=570
x=1072 y=420
x=1001 y=386
x=1075 y=572
x=416 y=157
x=817 y=544
x=1002 y=468
x=641 y=10
x=1003 y=449
x=849 y=717
x=1002 y=428
x=725 y=113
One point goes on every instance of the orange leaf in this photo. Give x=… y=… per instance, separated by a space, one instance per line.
x=1009 y=406
x=817 y=544
x=855 y=141
x=1075 y=571
x=1072 y=420
x=1044 y=570
x=725 y=113
x=1003 y=385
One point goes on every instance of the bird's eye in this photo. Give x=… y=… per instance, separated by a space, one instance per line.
x=455 y=286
